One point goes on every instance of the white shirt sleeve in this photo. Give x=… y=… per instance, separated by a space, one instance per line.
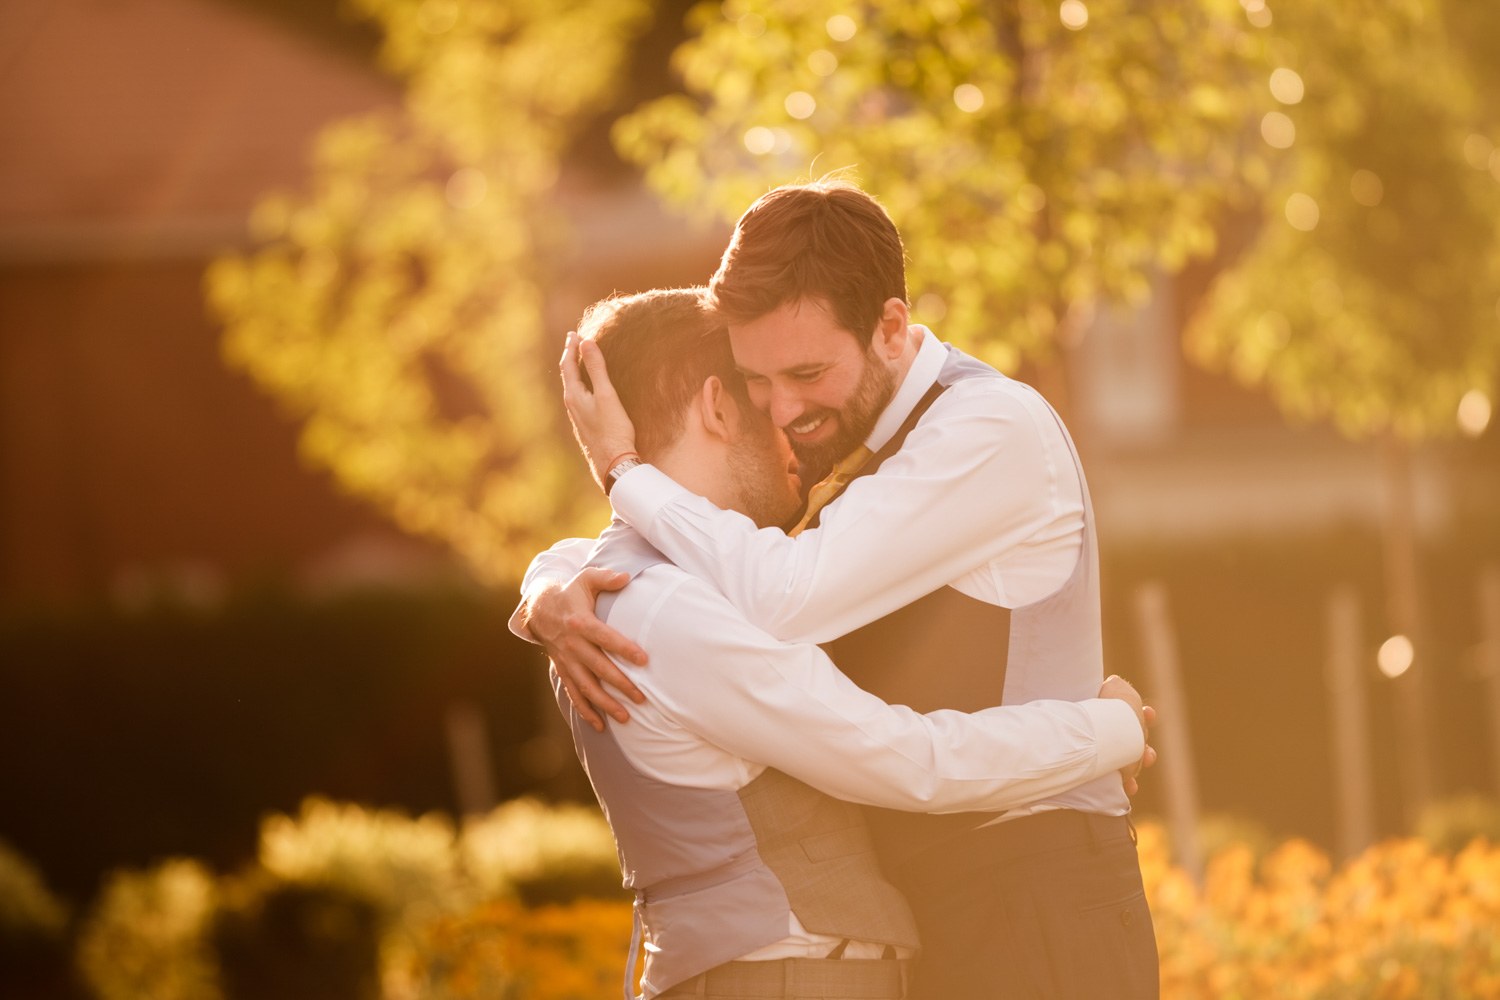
x=981 y=475
x=558 y=564
x=787 y=706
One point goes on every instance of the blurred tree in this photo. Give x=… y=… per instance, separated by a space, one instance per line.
x=1371 y=295
x=1036 y=158
x=396 y=307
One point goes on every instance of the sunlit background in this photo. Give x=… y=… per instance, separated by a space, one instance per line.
x=282 y=288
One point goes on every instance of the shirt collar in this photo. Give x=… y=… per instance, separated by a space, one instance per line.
x=919 y=378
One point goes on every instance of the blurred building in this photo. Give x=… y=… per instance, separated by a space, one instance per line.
x=1178 y=455
x=137 y=135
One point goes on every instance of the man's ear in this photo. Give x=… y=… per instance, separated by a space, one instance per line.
x=717 y=409
x=891 y=332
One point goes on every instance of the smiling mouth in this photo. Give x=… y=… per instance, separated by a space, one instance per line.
x=808 y=426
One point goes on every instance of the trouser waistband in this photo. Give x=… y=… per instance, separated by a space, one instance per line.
x=790 y=978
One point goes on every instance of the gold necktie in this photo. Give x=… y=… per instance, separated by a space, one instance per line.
x=829 y=488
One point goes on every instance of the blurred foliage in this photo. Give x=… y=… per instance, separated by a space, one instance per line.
x=541 y=853
x=397 y=308
x=346 y=901
x=553 y=952
x=1453 y=823
x=147 y=936
x=1218 y=832
x=1400 y=921
x=1380 y=304
x=1041 y=160
x=27 y=907
x=279 y=941
x=399 y=864
x=1403 y=920
x=34 y=925
x=1031 y=168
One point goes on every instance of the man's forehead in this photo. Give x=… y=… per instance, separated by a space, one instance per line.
x=797 y=335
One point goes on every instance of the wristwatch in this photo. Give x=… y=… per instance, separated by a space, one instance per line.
x=621 y=467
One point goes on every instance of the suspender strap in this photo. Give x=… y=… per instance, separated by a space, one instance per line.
x=892 y=446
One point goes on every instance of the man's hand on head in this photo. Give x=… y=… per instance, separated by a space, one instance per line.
x=1120 y=689
x=600 y=423
x=562 y=619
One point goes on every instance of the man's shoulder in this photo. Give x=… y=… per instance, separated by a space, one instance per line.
x=665 y=601
x=987 y=391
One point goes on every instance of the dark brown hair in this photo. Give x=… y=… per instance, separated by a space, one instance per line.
x=826 y=240
x=660 y=347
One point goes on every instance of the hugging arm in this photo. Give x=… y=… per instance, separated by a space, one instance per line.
x=972 y=482
x=787 y=706
x=557 y=613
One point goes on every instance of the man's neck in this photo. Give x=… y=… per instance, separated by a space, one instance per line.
x=697 y=470
x=902 y=365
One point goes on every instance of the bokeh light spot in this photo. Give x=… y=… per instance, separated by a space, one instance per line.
x=1031 y=198
x=1366 y=188
x=841 y=27
x=1258 y=14
x=968 y=97
x=1477 y=150
x=1474 y=412
x=1395 y=656
x=931 y=308
x=1278 y=130
x=1286 y=86
x=1302 y=212
x=800 y=104
x=1273 y=330
x=822 y=62
x=760 y=140
x=751 y=25
x=466 y=188
x=1074 y=14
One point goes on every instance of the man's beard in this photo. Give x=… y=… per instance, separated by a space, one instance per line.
x=877 y=384
x=759 y=472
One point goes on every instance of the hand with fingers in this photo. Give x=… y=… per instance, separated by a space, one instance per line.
x=600 y=423
x=1119 y=688
x=561 y=618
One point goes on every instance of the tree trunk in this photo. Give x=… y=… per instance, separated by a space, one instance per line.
x=1404 y=617
x=1348 y=725
x=1171 y=736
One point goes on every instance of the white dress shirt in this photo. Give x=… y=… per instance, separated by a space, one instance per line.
x=725 y=700
x=983 y=497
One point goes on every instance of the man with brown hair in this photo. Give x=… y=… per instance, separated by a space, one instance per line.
x=946 y=560
x=751 y=878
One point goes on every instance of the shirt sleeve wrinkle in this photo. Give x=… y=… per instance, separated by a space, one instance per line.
x=787 y=706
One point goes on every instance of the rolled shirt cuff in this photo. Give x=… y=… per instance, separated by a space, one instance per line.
x=1117 y=734
x=640 y=494
x=521 y=631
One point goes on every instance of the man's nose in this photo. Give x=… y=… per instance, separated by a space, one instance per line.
x=785 y=407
